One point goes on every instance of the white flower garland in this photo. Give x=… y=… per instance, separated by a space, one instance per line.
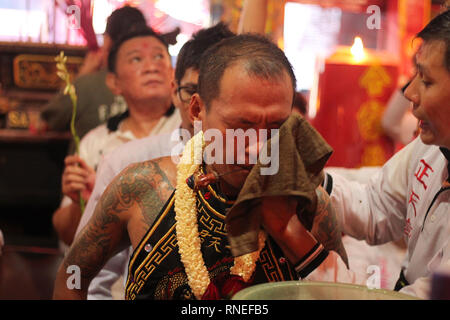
x=187 y=228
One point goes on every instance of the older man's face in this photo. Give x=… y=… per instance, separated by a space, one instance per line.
x=143 y=70
x=247 y=102
x=429 y=93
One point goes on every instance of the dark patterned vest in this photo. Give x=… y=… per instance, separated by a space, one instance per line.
x=155 y=270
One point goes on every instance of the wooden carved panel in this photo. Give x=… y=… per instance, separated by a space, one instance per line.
x=32 y=71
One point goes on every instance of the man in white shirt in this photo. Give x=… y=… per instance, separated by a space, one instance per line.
x=140 y=70
x=410 y=197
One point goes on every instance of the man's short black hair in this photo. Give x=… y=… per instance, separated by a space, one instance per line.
x=439 y=30
x=259 y=56
x=192 y=50
x=121 y=20
x=134 y=32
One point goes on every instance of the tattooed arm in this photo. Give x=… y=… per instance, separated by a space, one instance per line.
x=95 y=244
x=326 y=228
x=136 y=194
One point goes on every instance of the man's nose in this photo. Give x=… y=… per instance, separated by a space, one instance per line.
x=254 y=147
x=412 y=91
x=252 y=152
x=150 y=65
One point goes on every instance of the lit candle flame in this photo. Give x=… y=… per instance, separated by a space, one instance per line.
x=357 y=50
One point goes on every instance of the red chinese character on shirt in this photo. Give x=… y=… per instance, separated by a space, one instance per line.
x=422 y=172
x=413 y=200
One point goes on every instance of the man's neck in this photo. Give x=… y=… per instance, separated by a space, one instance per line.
x=189 y=128
x=144 y=117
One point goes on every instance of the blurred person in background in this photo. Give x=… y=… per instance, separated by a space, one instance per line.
x=96 y=102
x=139 y=69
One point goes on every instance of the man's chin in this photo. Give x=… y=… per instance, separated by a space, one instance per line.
x=235 y=181
x=428 y=138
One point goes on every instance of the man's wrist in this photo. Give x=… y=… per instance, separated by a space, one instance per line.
x=311 y=260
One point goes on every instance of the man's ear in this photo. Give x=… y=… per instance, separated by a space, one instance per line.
x=197 y=108
x=173 y=91
x=111 y=82
x=172 y=73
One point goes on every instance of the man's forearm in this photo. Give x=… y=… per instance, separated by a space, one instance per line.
x=279 y=218
x=326 y=228
x=253 y=17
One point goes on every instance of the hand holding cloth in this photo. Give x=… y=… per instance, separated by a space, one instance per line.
x=302 y=153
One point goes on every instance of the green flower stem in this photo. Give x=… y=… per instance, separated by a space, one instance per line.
x=76 y=138
x=70 y=90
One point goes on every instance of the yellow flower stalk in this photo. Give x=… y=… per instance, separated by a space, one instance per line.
x=69 y=89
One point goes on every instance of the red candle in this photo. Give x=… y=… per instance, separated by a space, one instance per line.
x=352 y=91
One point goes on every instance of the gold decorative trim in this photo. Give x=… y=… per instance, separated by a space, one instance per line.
x=220 y=198
x=149 y=234
x=144 y=240
x=270 y=265
x=205 y=202
x=159 y=253
x=211 y=224
x=214 y=193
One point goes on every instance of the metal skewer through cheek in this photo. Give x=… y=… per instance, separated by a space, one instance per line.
x=201 y=181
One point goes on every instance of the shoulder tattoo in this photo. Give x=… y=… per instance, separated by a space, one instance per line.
x=144 y=185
